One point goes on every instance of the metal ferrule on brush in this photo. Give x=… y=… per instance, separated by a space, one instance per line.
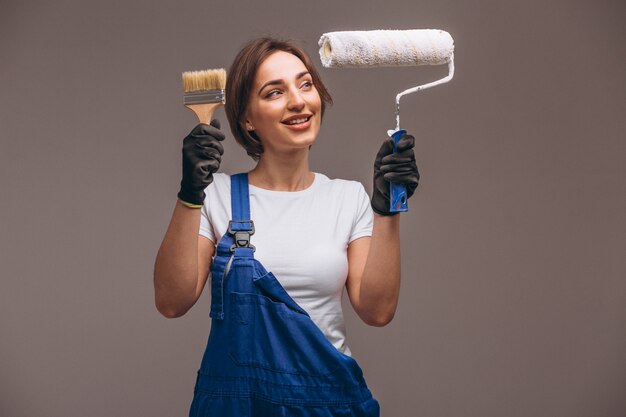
x=203 y=96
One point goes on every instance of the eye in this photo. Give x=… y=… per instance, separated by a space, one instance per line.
x=271 y=93
x=307 y=84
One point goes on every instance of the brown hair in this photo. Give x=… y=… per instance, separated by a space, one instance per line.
x=239 y=85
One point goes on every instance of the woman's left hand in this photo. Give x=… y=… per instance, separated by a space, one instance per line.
x=399 y=167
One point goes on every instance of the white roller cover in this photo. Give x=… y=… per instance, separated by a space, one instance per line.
x=385 y=48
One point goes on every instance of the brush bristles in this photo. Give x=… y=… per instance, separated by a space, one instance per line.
x=213 y=79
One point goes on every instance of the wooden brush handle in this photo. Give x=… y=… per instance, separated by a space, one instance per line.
x=204 y=111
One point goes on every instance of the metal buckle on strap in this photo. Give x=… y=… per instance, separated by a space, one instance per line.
x=242 y=237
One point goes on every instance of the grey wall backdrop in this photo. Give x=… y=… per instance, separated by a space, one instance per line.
x=513 y=268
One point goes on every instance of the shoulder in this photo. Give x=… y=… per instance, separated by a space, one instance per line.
x=220 y=182
x=340 y=185
x=221 y=177
x=219 y=189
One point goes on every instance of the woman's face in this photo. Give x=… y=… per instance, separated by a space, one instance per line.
x=284 y=108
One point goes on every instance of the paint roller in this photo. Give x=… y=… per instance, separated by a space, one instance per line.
x=390 y=48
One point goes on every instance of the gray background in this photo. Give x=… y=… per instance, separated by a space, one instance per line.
x=513 y=268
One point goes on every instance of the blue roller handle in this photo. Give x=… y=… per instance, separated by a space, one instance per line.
x=397 y=192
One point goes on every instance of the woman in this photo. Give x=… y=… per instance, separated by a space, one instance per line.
x=277 y=342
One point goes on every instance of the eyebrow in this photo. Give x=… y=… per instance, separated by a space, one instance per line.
x=279 y=82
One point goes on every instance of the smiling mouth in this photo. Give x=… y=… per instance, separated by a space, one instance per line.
x=297 y=121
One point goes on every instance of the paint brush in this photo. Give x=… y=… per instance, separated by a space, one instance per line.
x=204 y=92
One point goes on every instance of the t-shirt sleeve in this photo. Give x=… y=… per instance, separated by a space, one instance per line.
x=364 y=215
x=206 y=229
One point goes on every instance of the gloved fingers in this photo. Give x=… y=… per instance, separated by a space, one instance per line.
x=191 y=144
x=402 y=178
x=398 y=158
x=206 y=167
x=210 y=153
x=201 y=155
x=209 y=145
x=215 y=123
x=400 y=168
x=203 y=129
x=406 y=169
x=405 y=142
x=385 y=149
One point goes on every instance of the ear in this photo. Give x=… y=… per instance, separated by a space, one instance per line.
x=249 y=125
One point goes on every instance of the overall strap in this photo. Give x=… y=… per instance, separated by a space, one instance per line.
x=241 y=227
x=234 y=244
x=239 y=196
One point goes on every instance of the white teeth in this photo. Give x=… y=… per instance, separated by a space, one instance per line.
x=296 y=121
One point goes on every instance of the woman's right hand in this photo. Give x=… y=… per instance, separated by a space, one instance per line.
x=202 y=155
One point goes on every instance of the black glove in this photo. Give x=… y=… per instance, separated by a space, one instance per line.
x=202 y=154
x=397 y=167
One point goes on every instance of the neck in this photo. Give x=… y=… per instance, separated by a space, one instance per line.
x=282 y=172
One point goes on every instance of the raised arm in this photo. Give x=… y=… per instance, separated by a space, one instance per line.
x=184 y=259
x=182 y=264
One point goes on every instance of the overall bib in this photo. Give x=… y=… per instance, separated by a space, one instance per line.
x=265 y=356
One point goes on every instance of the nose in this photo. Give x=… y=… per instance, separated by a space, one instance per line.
x=296 y=101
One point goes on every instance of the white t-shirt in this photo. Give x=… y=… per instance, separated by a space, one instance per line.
x=302 y=238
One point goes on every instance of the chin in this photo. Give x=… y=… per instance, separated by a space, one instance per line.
x=309 y=139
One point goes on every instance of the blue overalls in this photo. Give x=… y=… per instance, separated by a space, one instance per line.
x=265 y=357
